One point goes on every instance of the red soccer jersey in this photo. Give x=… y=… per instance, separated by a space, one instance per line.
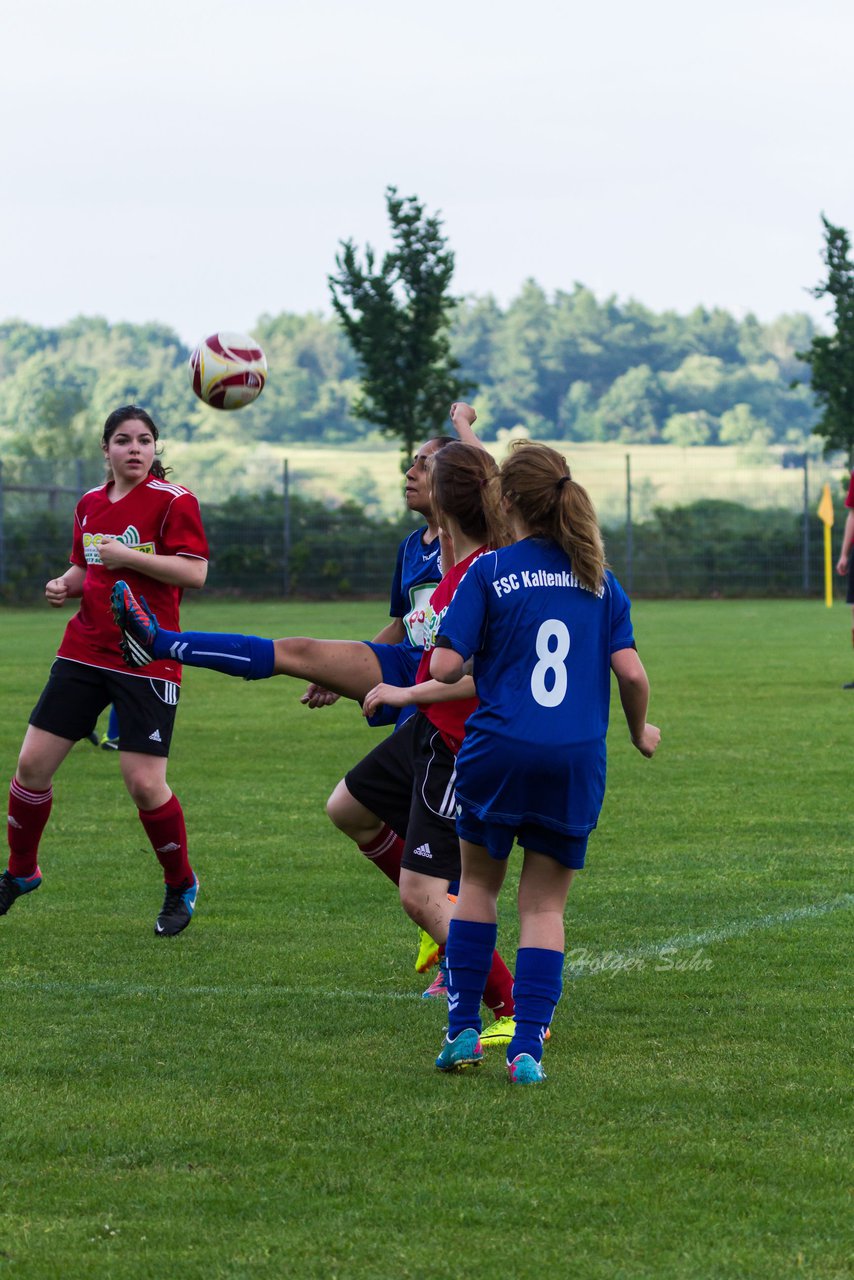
x=849 y=501
x=156 y=517
x=448 y=717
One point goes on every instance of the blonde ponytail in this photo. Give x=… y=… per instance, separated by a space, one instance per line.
x=551 y=504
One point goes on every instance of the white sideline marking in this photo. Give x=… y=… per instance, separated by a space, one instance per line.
x=720 y=933
x=734 y=929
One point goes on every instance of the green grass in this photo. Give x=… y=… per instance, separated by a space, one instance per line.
x=257 y=1098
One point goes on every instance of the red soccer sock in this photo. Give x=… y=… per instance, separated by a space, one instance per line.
x=28 y=815
x=168 y=835
x=385 y=851
x=498 y=993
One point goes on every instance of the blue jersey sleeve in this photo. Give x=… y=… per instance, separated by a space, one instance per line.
x=464 y=624
x=622 y=635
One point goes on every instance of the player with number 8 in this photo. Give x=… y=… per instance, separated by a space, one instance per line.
x=545 y=623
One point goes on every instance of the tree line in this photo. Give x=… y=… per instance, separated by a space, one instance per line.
x=567 y=366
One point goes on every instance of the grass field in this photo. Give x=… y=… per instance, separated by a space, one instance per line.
x=256 y=1099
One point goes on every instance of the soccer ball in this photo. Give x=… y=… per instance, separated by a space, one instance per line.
x=228 y=370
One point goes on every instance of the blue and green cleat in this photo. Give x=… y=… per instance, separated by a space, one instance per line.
x=525 y=1070
x=461 y=1052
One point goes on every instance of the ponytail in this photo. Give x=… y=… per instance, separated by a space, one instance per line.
x=466 y=486
x=553 y=505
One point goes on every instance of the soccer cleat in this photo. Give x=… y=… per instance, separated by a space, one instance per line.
x=93 y=738
x=106 y=743
x=439 y=985
x=502 y=1031
x=524 y=1070
x=11 y=888
x=177 y=910
x=850 y=685
x=137 y=624
x=428 y=952
x=461 y=1052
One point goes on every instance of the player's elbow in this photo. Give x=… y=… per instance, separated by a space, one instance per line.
x=446 y=666
x=197 y=573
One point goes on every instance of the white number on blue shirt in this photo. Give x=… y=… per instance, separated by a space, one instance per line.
x=551 y=660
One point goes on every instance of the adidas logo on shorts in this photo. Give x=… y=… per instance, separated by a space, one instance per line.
x=155 y=737
x=423 y=851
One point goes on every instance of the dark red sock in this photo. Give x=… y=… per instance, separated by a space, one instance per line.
x=168 y=835
x=498 y=993
x=385 y=851
x=28 y=815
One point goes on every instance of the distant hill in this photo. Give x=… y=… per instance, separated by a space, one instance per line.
x=567 y=367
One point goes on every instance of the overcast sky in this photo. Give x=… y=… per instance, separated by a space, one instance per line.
x=197 y=163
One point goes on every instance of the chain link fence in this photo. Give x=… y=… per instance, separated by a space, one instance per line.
x=674 y=526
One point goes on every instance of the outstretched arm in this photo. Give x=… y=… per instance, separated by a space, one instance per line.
x=634 y=695
x=419 y=695
x=464 y=417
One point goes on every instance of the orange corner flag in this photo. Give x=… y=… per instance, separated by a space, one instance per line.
x=825 y=507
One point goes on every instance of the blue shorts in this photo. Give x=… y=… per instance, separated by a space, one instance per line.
x=399 y=666
x=497 y=838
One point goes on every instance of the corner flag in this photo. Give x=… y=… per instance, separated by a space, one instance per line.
x=825 y=514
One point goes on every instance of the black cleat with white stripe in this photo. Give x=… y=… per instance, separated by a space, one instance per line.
x=137 y=623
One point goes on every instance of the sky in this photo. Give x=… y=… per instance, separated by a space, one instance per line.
x=197 y=164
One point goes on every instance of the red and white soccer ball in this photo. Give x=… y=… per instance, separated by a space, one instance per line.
x=228 y=370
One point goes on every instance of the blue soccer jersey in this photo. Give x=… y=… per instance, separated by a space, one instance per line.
x=534 y=750
x=416 y=575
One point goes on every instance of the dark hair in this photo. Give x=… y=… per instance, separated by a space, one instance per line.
x=132 y=413
x=441 y=441
x=464 y=483
x=537 y=480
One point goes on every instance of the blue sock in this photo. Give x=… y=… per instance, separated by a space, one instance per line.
x=536 y=990
x=113 y=724
x=233 y=655
x=468 y=957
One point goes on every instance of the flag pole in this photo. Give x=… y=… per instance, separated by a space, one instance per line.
x=825 y=514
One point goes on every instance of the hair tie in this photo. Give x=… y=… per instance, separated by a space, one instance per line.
x=562 y=481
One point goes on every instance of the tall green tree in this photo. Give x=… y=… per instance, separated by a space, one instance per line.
x=831 y=359
x=397 y=317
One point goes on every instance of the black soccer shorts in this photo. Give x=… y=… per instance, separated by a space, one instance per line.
x=408 y=782
x=76 y=694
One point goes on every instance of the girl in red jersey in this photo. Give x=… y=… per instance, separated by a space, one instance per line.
x=140 y=527
x=398 y=803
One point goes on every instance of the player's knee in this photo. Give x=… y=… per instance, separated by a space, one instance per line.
x=412 y=901
x=146 y=792
x=347 y=814
x=31 y=772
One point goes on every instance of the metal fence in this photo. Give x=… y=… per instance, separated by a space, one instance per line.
x=674 y=526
